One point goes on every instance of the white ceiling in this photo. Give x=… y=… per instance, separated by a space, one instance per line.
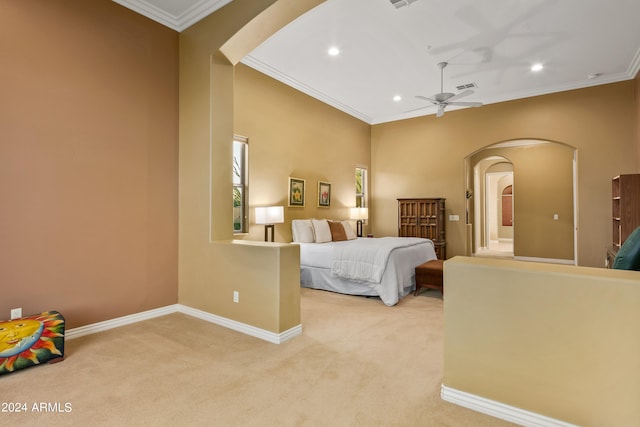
x=388 y=51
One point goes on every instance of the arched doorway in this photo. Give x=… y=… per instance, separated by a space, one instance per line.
x=493 y=235
x=521 y=201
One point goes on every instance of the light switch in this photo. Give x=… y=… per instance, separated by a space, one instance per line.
x=555 y=217
x=454 y=217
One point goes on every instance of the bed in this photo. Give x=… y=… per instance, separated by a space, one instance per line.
x=332 y=258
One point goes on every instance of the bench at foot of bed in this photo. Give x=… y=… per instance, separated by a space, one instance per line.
x=429 y=275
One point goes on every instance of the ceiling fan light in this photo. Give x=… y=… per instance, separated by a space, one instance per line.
x=537 y=67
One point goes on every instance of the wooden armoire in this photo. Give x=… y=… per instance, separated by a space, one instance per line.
x=423 y=218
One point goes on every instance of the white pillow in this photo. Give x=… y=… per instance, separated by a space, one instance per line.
x=349 y=230
x=321 y=230
x=302 y=231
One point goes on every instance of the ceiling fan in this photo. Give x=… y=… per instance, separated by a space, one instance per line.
x=444 y=99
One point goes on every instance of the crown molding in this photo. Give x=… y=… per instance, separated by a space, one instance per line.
x=289 y=81
x=180 y=22
x=634 y=67
x=260 y=66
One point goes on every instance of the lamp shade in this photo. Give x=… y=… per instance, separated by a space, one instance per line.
x=359 y=213
x=270 y=215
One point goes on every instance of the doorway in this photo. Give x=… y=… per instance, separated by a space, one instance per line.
x=521 y=201
x=493 y=207
x=499 y=212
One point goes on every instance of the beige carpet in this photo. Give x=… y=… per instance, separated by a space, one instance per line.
x=357 y=363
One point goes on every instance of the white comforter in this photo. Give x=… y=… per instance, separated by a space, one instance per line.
x=365 y=260
x=397 y=274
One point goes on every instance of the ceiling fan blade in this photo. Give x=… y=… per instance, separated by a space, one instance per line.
x=440 y=112
x=460 y=95
x=419 y=108
x=466 y=104
x=424 y=98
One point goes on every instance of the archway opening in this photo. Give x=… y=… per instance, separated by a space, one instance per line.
x=493 y=212
x=520 y=201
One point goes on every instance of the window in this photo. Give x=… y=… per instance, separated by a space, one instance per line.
x=240 y=184
x=361 y=187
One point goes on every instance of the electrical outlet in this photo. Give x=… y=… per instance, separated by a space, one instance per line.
x=236 y=296
x=16 y=313
x=454 y=217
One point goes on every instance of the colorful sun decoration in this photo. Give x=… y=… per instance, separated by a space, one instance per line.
x=30 y=340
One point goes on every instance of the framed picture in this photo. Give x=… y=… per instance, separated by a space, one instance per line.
x=324 y=194
x=296 y=192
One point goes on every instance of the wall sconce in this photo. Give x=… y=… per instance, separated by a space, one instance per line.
x=360 y=214
x=269 y=216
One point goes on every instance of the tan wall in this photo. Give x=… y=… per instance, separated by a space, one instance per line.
x=424 y=156
x=208 y=274
x=88 y=160
x=266 y=277
x=292 y=134
x=560 y=341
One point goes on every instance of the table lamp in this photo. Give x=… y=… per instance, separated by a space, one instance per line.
x=360 y=214
x=269 y=216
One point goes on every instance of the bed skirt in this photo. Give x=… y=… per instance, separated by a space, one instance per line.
x=321 y=278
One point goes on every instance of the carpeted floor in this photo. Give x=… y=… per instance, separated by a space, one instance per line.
x=357 y=363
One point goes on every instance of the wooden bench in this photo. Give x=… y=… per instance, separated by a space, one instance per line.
x=429 y=275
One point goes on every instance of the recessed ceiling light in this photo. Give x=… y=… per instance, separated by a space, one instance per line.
x=537 y=67
x=397 y=98
x=334 y=51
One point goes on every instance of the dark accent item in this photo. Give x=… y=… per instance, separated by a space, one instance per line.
x=430 y=275
x=337 y=231
x=268 y=227
x=628 y=257
x=423 y=218
x=625 y=211
x=625 y=194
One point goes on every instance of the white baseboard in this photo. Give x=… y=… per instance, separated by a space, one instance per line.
x=119 y=321
x=269 y=336
x=549 y=260
x=499 y=410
